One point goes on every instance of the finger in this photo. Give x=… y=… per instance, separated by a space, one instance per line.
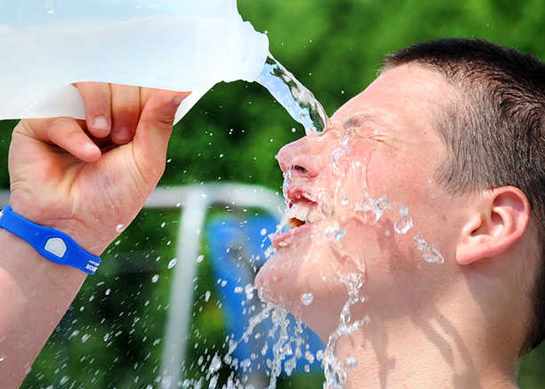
x=98 y=107
x=153 y=132
x=125 y=112
x=68 y=135
x=145 y=95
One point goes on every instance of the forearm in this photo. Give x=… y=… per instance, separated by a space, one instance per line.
x=34 y=295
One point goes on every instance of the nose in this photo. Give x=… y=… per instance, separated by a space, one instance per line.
x=302 y=156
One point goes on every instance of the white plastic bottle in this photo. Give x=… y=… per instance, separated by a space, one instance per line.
x=183 y=45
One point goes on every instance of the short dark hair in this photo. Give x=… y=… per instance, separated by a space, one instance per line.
x=496 y=135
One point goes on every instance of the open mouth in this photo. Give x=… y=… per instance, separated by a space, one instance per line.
x=302 y=213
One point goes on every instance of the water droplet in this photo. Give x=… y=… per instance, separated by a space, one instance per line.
x=163 y=224
x=334 y=234
x=351 y=363
x=172 y=263
x=404 y=223
x=431 y=255
x=215 y=364
x=338 y=160
x=306 y=298
x=200 y=258
x=155 y=278
x=286 y=184
x=119 y=227
x=420 y=243
x=249 y=290
x=427 y=253
x=2 y=359
x=381 y=205
x=207 y=295
x=239 y=289
x=85 y=338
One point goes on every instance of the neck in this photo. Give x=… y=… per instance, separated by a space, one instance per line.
x=430 y=353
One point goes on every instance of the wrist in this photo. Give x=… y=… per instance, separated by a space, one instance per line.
x=19 y=259
x=52 y=244
x=84 y=236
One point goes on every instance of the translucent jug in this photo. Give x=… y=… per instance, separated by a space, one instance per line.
x=183 y=45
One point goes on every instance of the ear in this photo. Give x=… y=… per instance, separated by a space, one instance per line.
x=498 y=219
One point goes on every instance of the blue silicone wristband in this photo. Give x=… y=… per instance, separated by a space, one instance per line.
x=49 y=242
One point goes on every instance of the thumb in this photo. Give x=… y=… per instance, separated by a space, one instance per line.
x=154 y=129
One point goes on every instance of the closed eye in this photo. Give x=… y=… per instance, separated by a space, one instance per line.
x=299 y=169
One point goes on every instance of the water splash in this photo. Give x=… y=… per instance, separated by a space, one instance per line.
x=334 y=234
x=428 y=253
x=286 y=351
x=286 y=184
x=340 y=159
x=334 y=369
x=293 y=96
x=281 y=348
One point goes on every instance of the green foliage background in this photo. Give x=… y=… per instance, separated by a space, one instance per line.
x=334 y=48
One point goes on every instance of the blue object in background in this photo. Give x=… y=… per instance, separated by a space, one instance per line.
x=237 y=248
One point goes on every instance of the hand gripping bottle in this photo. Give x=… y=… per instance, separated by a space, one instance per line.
x=182 y=45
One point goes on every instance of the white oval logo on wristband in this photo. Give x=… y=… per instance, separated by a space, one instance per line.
x=56 y=246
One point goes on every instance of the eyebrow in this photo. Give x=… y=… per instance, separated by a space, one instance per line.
x=359 y=119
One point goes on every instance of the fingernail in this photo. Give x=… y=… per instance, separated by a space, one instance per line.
x=178 y=100
x=122 y=135
x=100 y=123
x=91 y=148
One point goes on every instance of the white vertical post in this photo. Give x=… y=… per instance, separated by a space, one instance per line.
x=181 y=296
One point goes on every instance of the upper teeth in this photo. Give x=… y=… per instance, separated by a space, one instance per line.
x=305 y=213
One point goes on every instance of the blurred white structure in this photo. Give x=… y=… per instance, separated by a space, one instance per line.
x=194 y=202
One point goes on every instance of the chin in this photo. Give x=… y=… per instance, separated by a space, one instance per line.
x=276 y=282
x=285 y=288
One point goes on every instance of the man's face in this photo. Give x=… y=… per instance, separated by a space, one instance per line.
x=358 y=196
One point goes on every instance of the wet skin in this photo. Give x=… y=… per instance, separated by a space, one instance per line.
x=459 y=314
x=380 y=143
